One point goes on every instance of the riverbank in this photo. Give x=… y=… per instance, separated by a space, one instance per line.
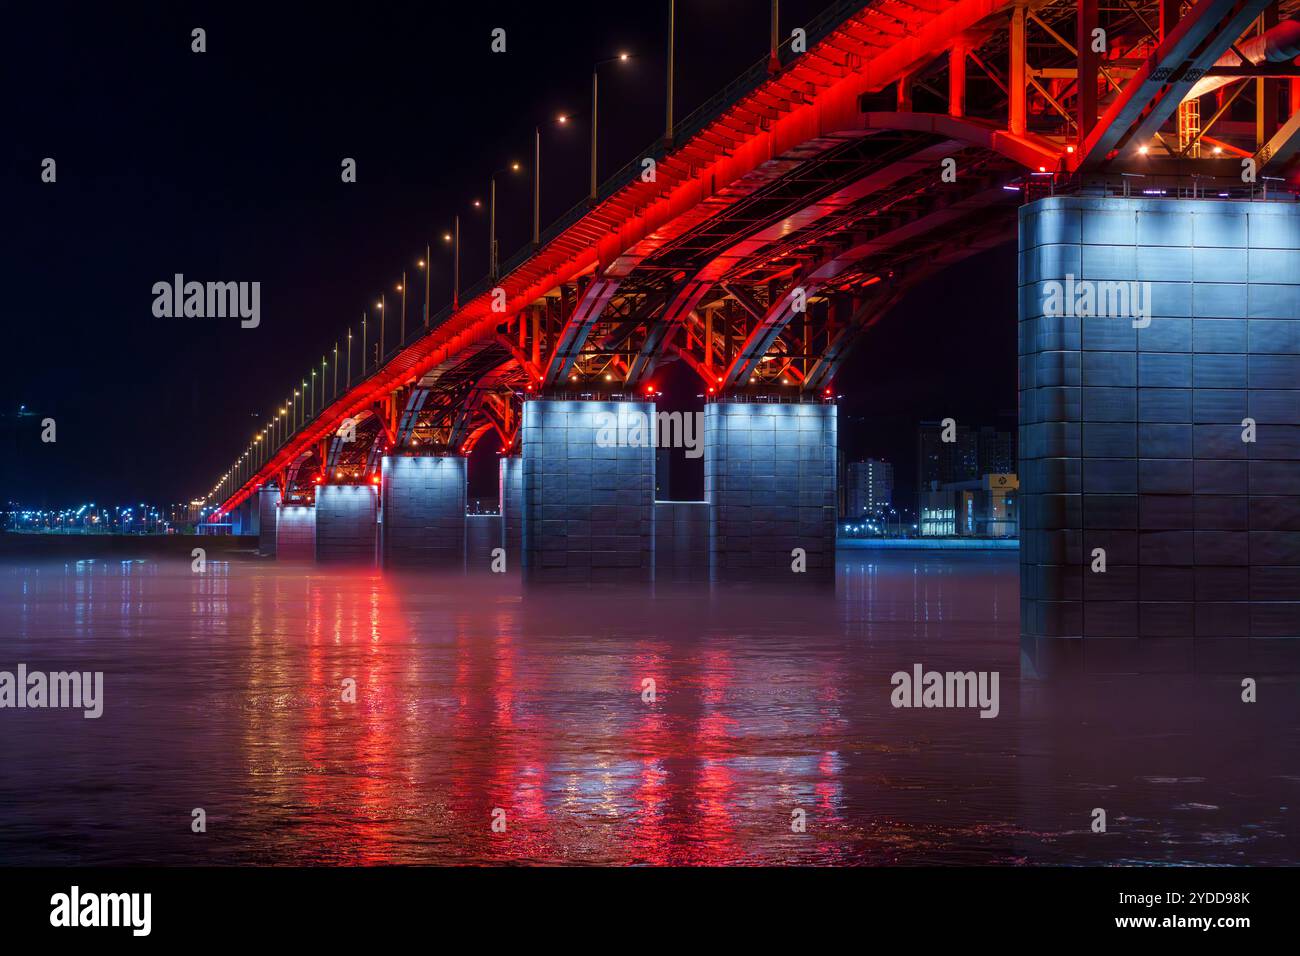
x=79 y=547
x=928 y=544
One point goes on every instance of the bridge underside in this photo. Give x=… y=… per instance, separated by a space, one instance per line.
x=787 y=218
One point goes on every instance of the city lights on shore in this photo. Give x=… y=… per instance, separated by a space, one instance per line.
x=91 y=518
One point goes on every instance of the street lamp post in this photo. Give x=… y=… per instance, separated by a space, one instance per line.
x=427 y=266
x=537 y=180
x=595 y=97
x=453 y=237
x=672 y=29
x=494 y=270
x=492 y=230
x=402 y=289
x=773 y=60
x=537 y=186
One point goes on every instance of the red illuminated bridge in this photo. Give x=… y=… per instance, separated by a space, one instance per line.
x=1136 y=142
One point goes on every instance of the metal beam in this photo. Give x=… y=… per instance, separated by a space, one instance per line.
x=1017 y=102
x=765 y=332
x=410 y=415
x=1086 y=101
x=957 y=80
x=577 y=327
x=683 y=302
x=1159 y=85
x=1281 y=148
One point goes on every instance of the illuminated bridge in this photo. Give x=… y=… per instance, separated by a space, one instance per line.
x=1132 y=142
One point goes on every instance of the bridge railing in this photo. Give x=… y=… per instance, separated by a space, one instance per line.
x=747 y=82
x=1157 y=186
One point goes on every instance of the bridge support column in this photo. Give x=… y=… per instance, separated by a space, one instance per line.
x=268 y=503
x=769 y=477
x=482 y=537
x=244 y=519
x=346 y=527
x=1160 y=435
x=423 y=521
x=588 y=492
x=512 y=511
x=295 y=533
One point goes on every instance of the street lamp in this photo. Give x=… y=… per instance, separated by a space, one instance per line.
x=453 y=238
x=672 y=31
x=560 y=120
x=402 y=289
x=493 y=261
x=595 y=97
x=425 y=266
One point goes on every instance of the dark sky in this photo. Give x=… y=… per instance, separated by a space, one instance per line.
x=225 y=166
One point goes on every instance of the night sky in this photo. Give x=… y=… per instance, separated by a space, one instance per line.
x=224 y=166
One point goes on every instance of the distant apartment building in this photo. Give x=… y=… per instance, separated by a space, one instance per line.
x=869 y=487
x=972 y=452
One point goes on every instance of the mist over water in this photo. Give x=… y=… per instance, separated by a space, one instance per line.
x=224 y=690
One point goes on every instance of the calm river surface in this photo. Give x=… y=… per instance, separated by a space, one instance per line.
x=225 y=691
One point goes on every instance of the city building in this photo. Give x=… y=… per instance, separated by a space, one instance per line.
x=983 y=508
x=971 y=453
x=869 y=487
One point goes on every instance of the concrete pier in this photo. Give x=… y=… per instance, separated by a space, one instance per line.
x=682 y=542
x=423 y=512
x=346 y=528
x=268 y=504
x=770 y=478
x=1160 y=434
x=295 y=533
x=511 y=498
x=588 y=493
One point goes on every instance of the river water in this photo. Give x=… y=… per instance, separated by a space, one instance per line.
x=477 y=701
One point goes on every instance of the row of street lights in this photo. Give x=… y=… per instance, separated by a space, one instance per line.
x=291 y=416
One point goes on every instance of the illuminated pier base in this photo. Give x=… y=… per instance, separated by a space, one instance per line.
x=681 y=542
x=588 y=510
x=423 y=522
x=345 y=523
x=482 y=537
x=1131 y=438
x=769 y=477
x=268 y=506
x=511 y=498
x=295 y=533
